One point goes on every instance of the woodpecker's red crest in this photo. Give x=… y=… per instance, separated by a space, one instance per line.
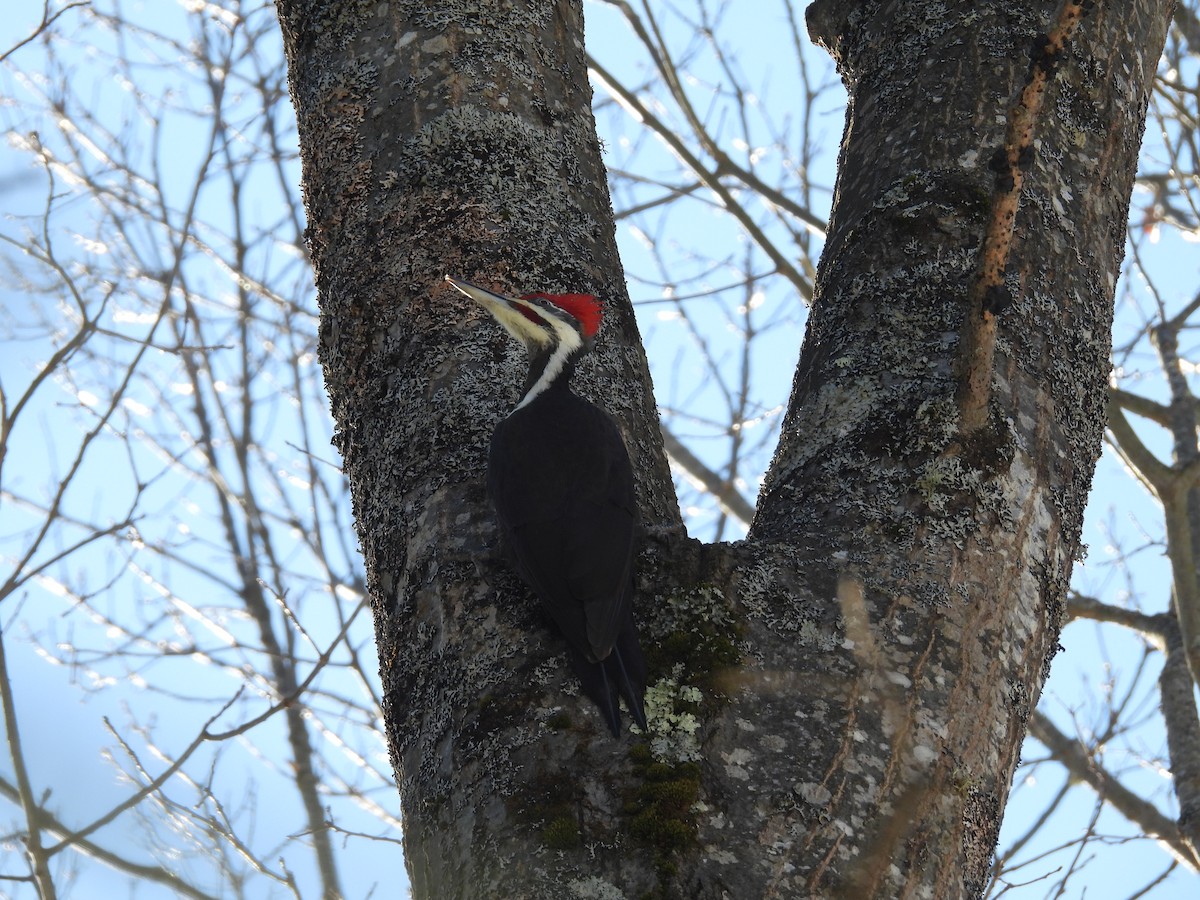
x=587 y=310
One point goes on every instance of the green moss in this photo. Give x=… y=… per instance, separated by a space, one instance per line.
x=661 y=810
x=928 y=484
x=560 y=721
x=694 y=644
x=640 y=755
x=703 y=652
x=962 y=783
x=550 y=806
x=700 y=641
x=561 y=833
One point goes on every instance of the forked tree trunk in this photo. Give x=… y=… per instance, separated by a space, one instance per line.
x=862 y=667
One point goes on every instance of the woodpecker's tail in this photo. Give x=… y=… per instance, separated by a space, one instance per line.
x=627 y=667
x=620 y=674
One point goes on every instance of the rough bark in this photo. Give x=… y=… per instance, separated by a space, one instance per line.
x=862 y=668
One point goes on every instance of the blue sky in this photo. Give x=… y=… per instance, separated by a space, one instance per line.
x=64 y=724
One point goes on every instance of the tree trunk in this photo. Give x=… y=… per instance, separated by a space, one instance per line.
x=838 y=702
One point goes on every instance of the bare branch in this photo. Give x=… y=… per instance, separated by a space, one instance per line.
x=1080 y=762
x=726 y=495
x=39 y=858
x=48 y=19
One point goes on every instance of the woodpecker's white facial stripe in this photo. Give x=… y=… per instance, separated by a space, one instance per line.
x=569 y=343
x=533 y=330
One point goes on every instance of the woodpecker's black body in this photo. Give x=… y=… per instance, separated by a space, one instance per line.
x=562 y=485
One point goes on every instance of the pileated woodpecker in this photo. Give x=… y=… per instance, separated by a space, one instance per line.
x=562 y=485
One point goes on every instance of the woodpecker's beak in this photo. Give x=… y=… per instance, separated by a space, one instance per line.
x=511 y=312
x=489 y=300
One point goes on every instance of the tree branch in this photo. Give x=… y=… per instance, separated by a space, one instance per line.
x=39 y=859
x=1178 y=703
x=1142 y=406
x=1156 y=474
x=47 y=21
x=1142 y=813
x=726 y=495
x=1153 y=628
x=156 y=874
x=710 y=179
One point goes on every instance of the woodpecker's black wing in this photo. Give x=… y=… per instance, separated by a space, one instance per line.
x=562 y=485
